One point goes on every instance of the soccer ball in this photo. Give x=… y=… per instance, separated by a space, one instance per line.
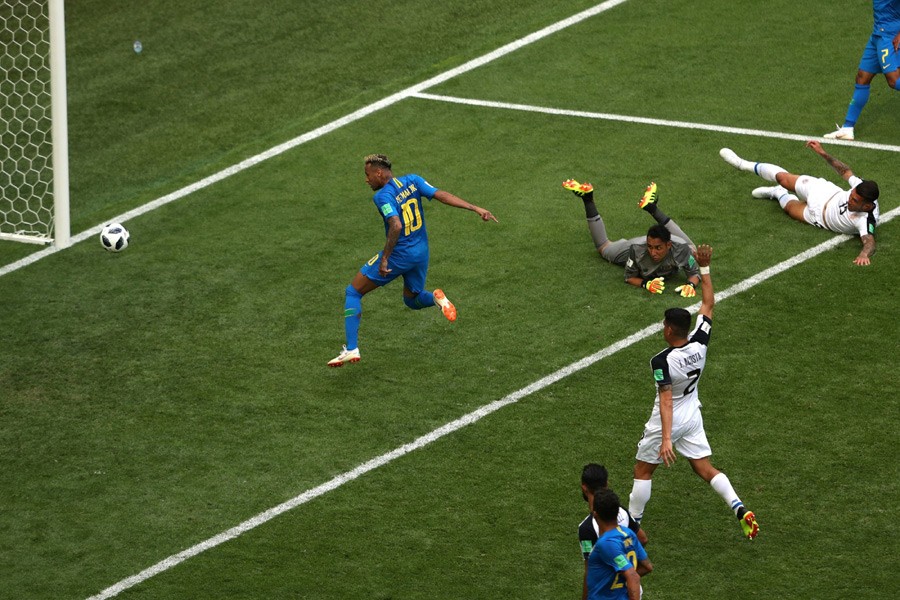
x=114 y=237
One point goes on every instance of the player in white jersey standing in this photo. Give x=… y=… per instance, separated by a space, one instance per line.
x=821 y=202
x=676 y=422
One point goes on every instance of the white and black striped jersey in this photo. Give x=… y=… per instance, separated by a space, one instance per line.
x=589 y=531
x=681 y=368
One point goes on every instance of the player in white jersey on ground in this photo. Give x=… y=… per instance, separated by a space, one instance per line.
x=820 y=202
x=676 y=422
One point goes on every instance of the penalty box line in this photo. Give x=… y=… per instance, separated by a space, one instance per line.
x=648 y=121
x=468 y=419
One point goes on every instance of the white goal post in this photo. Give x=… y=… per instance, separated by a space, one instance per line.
x=34 y=153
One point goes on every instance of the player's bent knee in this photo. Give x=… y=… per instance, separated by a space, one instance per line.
x=352 y=292
x=796 y=210
x=703 y=468
x=864 y=77
x=643 y=470
x=786 y=180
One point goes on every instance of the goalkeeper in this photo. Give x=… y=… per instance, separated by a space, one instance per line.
x=647 y=260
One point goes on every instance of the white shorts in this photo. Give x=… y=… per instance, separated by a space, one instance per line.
x=816 y=192
x=688 y=439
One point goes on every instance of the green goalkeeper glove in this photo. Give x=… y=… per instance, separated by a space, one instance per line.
x=655 y=286
x=687 y=290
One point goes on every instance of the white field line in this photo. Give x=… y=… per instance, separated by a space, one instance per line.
x=486 y=410
x=647 y=121
x=459 y=423
x=323 y=130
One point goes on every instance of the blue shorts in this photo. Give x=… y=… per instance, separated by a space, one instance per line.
x=879 y=56
x=414 y=269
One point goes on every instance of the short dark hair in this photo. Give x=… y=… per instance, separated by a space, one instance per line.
x=868 y=190
x=659 y=232
x=679 y=320
x=379 y=160
x=606 y=505
x=594 y=476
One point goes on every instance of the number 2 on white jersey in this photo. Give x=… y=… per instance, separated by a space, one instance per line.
x=692 y=376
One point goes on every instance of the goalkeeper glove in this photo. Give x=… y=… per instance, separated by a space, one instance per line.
x=655 y=286
x=687 y=290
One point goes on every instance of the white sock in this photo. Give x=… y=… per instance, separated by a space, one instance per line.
x=767 y=171
x=640 y=495
x=723 y=487
x=783 y=196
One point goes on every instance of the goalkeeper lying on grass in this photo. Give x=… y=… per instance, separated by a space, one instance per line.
x=647 y=261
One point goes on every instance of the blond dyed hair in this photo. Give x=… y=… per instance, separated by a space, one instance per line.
x=379 y=160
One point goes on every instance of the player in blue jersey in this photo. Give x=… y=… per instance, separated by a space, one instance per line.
x=595 y=478
x=881 y=55
x=618 y=560
x=405 y=253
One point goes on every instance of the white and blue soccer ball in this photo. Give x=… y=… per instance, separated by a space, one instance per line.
x=114 y=237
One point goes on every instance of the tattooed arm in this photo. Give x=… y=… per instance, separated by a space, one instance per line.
x=842 y=168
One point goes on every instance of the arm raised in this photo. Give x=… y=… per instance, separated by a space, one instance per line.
x=842 y=168
x=704 y=256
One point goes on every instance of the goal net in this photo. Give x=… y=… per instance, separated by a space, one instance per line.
x=33 y=139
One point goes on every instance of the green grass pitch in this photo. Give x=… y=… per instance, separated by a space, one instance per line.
x=153 y=399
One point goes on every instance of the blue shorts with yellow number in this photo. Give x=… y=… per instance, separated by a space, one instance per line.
x=879 y=55
x=413 y=268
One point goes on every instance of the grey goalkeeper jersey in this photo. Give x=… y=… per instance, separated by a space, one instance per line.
x=639 y=263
